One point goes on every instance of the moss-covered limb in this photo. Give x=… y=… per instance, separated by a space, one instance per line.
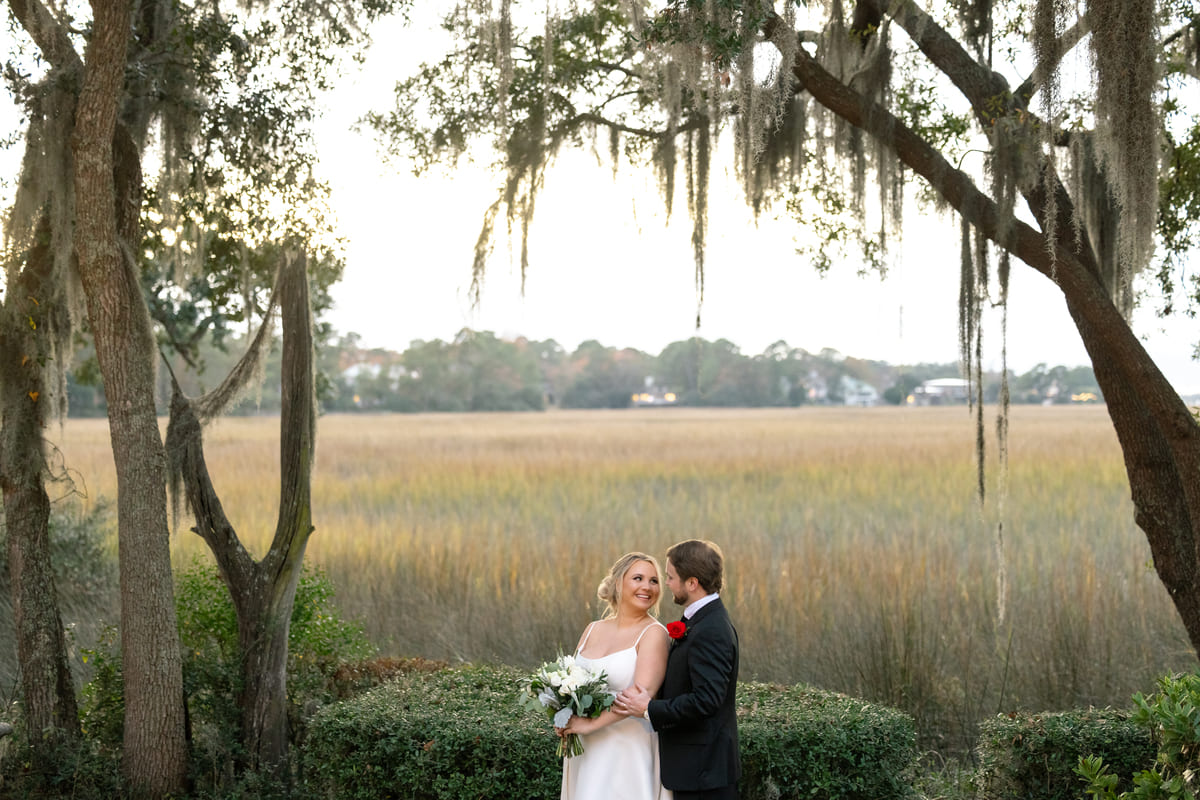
x=1160 y=440
x=50 y=36
x=49 y=704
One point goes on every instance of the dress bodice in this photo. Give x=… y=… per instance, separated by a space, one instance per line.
x=618 y=666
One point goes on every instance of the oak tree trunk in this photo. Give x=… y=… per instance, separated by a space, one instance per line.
x=154 y=758
x=49 y=695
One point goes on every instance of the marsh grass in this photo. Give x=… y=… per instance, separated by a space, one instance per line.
x=859 y=559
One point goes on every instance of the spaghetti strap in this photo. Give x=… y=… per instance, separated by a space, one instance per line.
x=586 y=633
x=643 y=633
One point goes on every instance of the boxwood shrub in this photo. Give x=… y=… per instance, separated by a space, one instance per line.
x=460 y=733
x=801 y=742
x=449 y=734
x=1033 y=756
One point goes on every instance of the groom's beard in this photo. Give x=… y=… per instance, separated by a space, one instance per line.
x=680 y=599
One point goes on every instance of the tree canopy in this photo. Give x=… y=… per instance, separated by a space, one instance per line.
x=1061 y=136
x=217 y=98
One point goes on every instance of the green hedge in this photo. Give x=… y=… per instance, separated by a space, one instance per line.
x=461 y=733
x=1034 y=756
x=801 y=742
x=450 y=734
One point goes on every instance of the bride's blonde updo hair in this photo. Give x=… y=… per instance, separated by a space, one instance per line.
x=610 y=588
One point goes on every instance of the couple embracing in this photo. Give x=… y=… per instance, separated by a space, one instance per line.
x=673 y=727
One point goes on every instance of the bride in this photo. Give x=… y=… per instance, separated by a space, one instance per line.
x=620 y=758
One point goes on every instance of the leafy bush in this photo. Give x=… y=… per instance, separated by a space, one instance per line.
x=319 y=640
x=85 y=578
x=102 y=705
x=81 y=553
x=1035 y=755
x=354 y=678
x=460 y=733
x=1171 y=718
x=798 y=741
x=74 y=769
x=449 y=734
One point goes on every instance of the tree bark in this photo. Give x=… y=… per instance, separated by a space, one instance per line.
x=263 y=592
x=1159 y=438
x=154 y=760
x=51 y=713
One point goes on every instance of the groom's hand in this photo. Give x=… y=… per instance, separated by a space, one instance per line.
x=633 y=701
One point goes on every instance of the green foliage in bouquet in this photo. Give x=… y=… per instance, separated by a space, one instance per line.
x=1171 y=719
x=1035 y=755
x=563 y=688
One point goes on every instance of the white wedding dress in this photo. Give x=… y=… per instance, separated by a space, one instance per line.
x=619 y=761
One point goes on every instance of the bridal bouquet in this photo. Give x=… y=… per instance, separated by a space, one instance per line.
x=564 y=688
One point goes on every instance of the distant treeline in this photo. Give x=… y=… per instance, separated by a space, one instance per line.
x=478 y=371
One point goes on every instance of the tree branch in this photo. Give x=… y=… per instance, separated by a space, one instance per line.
x=1066 y=43
x=1154 y=419
x=297 y=421
x=48 y=34
x=589 y=117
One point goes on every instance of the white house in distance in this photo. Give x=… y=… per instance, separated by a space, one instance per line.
x=858 y=393
x=940 y=392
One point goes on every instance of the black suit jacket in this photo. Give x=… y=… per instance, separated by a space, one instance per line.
x=695 y=714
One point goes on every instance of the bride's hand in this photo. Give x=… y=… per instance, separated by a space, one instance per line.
x=579 y=725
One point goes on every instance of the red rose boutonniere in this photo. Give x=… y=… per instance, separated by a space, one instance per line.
x=676 y=630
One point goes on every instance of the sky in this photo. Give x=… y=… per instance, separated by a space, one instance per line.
x=605 y=265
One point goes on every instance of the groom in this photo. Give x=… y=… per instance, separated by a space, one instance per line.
x=695 y=715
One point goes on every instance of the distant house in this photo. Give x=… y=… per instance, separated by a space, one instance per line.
x=653 y=395
x=383 y=378
x=858 y=393
x=355 y=371
x=940 y=392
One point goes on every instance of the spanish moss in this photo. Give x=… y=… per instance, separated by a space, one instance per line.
x=698 y=155
x=43 y=218
x=975 y=16
x=1097 y=212
x=1127 y=131
x=1047 y=48
x=1002 y=412
x=972 y=291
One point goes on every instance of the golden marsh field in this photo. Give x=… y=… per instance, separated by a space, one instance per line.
x=859 y=558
